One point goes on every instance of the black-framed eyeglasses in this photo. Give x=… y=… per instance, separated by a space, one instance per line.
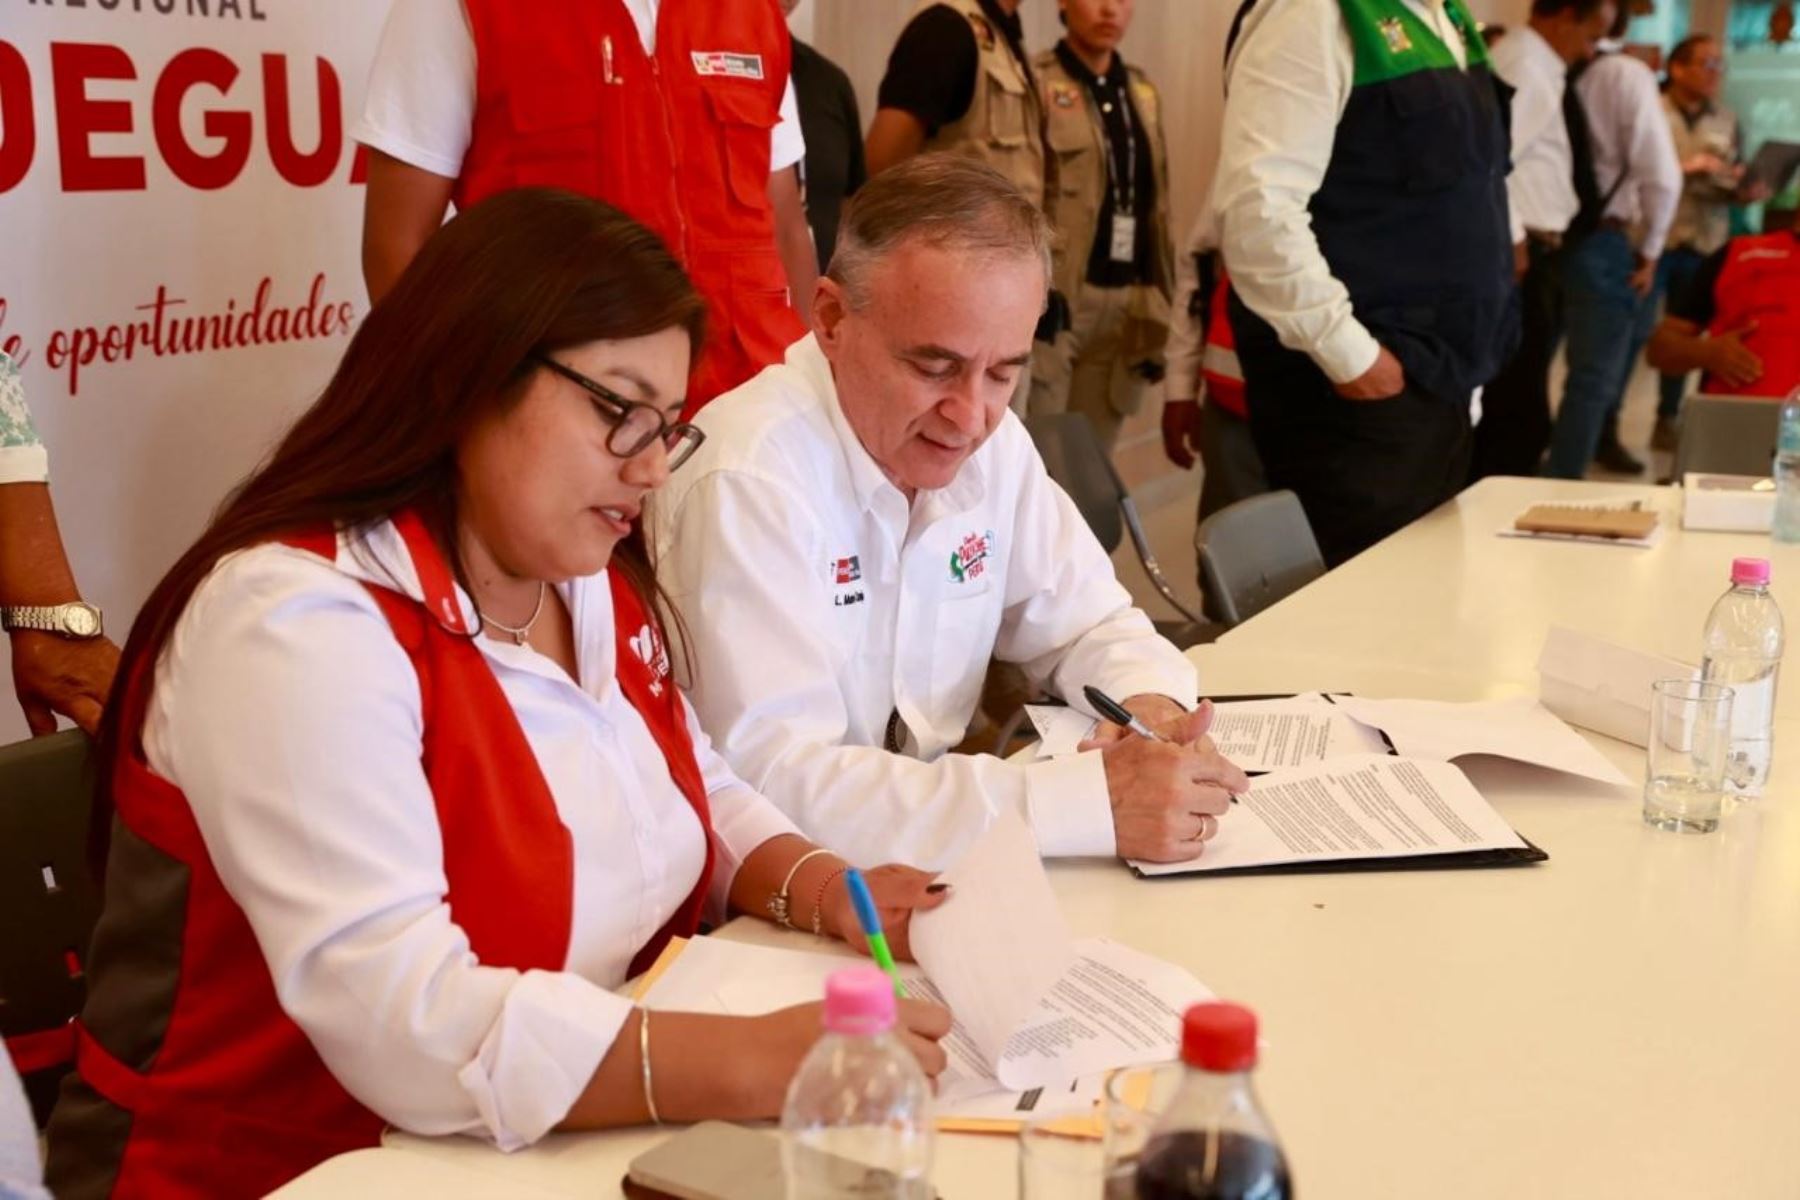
x=634 y=425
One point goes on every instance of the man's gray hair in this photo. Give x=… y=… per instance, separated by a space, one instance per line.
x=944 y=200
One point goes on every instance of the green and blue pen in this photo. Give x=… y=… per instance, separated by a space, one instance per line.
x=870 y=920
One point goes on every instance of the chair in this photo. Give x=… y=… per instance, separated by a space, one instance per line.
x=1727 y=435
x=1256 y=552
x=50 y=901
x=1073 y=457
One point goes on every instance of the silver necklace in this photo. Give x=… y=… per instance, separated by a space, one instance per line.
x=521 y=632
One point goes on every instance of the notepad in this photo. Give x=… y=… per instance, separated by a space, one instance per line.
x=1624 y=523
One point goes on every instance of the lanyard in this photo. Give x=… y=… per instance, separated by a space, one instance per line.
x=1124 y=192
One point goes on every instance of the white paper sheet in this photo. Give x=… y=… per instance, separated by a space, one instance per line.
x=1116 y=1007
x=1000 y=943
x=1518 y=728
x=1060 y=730
x=1373 y=806
x=1266 y=735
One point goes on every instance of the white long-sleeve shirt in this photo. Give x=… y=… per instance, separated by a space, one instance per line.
x=1540 y=192
x=289 y=716
x=1287 y=83
x=420 y=106
x=1630 y=134
x=819 y=602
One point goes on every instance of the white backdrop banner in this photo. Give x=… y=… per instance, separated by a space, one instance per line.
x=180 y=215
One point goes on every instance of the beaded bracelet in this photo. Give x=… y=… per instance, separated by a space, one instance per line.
x=819 y=901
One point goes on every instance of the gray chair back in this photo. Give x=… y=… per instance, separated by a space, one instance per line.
x=1256 y=552
x=1072 y=455
x=48 y=897
x=1727 y=435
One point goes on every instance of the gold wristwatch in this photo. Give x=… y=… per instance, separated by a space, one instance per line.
x=77 y=619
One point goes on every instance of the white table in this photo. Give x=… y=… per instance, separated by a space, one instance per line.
x=1622 y=1021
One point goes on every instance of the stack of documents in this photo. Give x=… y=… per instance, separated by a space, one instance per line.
x=1344 y=782
x=1040 y=1016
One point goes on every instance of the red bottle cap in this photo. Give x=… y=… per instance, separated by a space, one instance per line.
x=1219 y=1037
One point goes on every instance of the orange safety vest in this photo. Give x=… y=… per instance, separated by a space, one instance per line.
x=1218 y=360
x=565 y=96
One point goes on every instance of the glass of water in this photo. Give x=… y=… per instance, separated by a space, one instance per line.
x=1690 y=745
x=1063 y=1158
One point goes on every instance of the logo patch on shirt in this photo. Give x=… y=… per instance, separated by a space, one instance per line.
x=1064 y=95
x=1394 y=33
x=984 y=33
x=653 y=654
x=846 y=570
x=969 y=560
x=727 y=64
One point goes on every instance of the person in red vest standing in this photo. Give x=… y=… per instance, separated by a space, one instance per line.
x=403 y=784
x=1202 y=359
x=1738 y=320
x=679 y=112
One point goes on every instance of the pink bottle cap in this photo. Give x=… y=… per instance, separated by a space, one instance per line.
x=1753 y=572
x=859 y=1000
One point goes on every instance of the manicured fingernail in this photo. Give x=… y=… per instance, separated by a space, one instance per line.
x=935 y=888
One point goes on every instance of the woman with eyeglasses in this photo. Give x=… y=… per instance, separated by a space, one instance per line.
x=400 y=781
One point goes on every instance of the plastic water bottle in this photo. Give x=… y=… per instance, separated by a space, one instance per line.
x=1743 y=643
x=1213 y=1142
x=1786 y=525
x=857 y=1122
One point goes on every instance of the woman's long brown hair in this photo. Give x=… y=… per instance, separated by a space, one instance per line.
x=527 y=272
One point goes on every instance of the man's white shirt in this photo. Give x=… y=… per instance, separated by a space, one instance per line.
x=818 y=602
x=1631 y=136
x=1541 y=189
x=1287 y=84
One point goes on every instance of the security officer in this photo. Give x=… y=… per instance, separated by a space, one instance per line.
x=1361 y=198
x=958 y=80
x=1110 y=211
x=679 y=112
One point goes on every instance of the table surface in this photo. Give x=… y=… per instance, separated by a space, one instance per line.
x=1623 y=1020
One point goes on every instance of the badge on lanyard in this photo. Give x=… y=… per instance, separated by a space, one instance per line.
x=1124 y=237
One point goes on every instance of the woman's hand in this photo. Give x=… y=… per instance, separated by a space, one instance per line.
x=783 y=1038
x=898 y=892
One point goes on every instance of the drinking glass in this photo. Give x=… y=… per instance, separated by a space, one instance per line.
x=1136 y=1098
x=1690 y=745
x=1062 y=1158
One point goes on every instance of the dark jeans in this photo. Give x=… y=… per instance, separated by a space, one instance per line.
x=1600 y=318
x=1362 y=469
x=1515 y=406
x=1674 y=272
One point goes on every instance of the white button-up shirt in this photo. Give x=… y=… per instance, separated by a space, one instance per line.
x=1287 y=84
x=1541 y=189
x=1631 y=136
x=289 y=716
x=818 y=602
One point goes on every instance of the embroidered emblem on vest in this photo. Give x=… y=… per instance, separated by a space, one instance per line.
x=1394 y=33
x=984 y=33
x=727 y=64
x=650 y=651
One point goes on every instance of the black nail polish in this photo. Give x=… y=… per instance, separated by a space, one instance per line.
x=935 y=888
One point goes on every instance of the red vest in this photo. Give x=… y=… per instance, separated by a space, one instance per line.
x=231 y=1099
x=566 y=97
x=1219 y=360
x=1761 y=283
